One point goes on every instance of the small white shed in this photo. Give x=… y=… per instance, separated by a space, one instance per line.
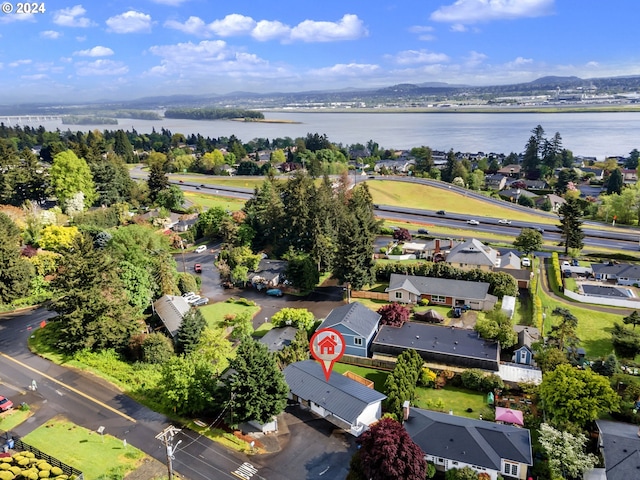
x=509 y=305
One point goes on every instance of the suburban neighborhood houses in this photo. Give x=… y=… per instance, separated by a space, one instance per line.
x=493 y=334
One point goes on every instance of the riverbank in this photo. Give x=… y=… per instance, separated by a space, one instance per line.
x=462 y=109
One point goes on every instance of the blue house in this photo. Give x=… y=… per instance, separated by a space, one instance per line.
x=357 y=324
x=523 y=356
x=527 y=336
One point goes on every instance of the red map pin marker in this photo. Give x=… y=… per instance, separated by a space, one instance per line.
x=327 y=346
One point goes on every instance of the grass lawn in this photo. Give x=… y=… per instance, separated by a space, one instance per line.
x=85 y=450
x=214 y=313
x=413 y=195
x=378 y=377
x=209 y=201
x=262 y=330
x=14 y=417
x=222 y=181
x=452 y=398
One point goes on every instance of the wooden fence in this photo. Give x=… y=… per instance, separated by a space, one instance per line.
x=372 y=295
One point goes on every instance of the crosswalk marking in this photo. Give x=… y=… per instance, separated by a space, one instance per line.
x=245 y=471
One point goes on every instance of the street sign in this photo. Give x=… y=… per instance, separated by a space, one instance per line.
x=327 y=346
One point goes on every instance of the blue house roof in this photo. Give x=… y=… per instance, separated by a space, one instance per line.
x=341 y=396
x=353 y=316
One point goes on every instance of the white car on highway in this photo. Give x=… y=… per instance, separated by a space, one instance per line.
x=504 y=221
x=473 y=222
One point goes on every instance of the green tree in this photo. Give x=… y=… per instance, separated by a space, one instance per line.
x=158 y=180
x=16 y=272
x=69 y=175
x=465 y=473
x=258 y=389
x=190 y=331
x=496 y=325
x=209 y=222
x=400 y=385
x=528 y=241
x=563 y=334
x=156 y=348
x=571 y=225
x=242 y=326
x=170 y=198
x=302 y=272
x=300 y=318
x=296 y=351
x=122 y=147
x=354 y=259
x=615 y=182
x=91 y=304
x=626 y=343
x=565 y=452
x=112 y=181
x=188 y=385
x=632 y=160
x=633 y=318
x=215 y=348
x=531 y=158
x=576 y=396
x=549 y=357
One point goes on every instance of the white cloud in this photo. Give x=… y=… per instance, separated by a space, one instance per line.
x=424 y=32
x=458 y=27
x=101 y=67
x=72 y=17
x=17 y=63
x=346 y=70
x=35 y=77
x=23 y=17
x=475 y=58
x=97 y=51
x=233 y=25
x=474 y=11
x=270 y=30
x=519 y=62
x=414 y=57
x=50 y=34
x=593 y=65
x=349 y=27
x=130 y=22
x=193 y=26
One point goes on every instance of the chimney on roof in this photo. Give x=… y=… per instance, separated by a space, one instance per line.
x=405 y=411
x=436 y=249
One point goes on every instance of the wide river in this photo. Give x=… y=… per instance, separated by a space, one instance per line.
x=587 y=134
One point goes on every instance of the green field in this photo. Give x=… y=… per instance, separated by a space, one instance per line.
x=453 y=399
x=214 y=313
x=95 y=455
x=207 y=201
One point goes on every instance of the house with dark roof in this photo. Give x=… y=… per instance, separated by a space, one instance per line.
x=438 y=344
x=171 y=309
x=344 y=402
x=270 y=273
x=440 y=291
x=495 y=181
x=512 y=170
x=486 y=447
x=619 y=445
x=278 y=338
x=357 y=324
x=473 y=254
x=622 y=273
x=522 y=275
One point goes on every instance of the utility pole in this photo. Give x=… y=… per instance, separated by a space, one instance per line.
x=166 y=436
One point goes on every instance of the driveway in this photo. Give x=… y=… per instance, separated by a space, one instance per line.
x=311 y=448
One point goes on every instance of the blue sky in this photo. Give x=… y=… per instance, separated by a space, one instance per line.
x=79 y=50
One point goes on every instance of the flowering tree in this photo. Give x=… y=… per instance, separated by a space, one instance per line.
x=566 y=452
x=394 y=314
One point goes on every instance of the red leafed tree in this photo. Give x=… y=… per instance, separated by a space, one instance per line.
x=402 y=234
x=387 y=452
x=394 y=314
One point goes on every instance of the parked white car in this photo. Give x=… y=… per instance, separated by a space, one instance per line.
x=526 y=262
x=201 y=248
x=194 y=299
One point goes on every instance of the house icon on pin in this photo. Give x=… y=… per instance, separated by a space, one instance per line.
x=327 y=345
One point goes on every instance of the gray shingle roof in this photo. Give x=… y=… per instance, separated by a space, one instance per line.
x=618 y=269
x=440 y=286
x=621 y=449
x=355 y=316
x=341 y=396
x=475 y=442
x=171 y=309
x=278 y=338
x=434 y=338
x=473 y=252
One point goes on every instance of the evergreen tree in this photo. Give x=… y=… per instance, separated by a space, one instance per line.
x=615 y=182
x=258 y=390
x=190 y=331
x=449 y=170
x=531 y=158
x=91 y=303
x=571 y=225
x=158 y=179
x=633 y=319
x=122 y=147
